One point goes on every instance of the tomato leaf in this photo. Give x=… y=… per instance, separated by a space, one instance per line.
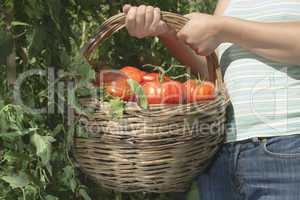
x=51 y=197
x=17 y=23
x=139 y=92
x=43 y=148
x=17 y=181
x=116 y=108
x=69 y=178
x=81 y=67
x=84 y=194
x=81 y=131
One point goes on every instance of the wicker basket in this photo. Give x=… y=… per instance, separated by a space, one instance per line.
x=158 y=150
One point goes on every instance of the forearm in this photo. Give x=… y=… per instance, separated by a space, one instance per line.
x=186 y=55
x=276 y=41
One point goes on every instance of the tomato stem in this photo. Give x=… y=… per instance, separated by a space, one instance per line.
x=162 y=72
x=199 y=80
x=187 y=75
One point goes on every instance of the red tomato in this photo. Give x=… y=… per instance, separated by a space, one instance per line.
x=205 y=91
x=133 y=73
x=107 y=76
x=197 y=91
x=120 y=88
x=172 y=92
x=189 y=87
x=153 y=92
x=149 y=77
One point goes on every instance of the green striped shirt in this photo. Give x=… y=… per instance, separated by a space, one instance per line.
x=265 y=95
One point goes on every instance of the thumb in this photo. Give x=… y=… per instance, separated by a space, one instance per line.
x=126 y=8
x=163 y=27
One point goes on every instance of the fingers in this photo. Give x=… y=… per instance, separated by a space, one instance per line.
x=140 y=20
x=149 y=16
x=126 y=8
x=204 y=50
x=157 y=26
x=162 y=27
x=184 y=36
x=144 y=21
x=156 y=20
x=131 y=21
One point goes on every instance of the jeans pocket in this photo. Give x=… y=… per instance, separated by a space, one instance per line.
x=283 y=146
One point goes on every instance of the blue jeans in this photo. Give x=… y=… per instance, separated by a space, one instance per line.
x=267 y=169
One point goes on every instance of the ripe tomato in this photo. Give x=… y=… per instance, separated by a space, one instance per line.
x=153 y=92
x=120 y=88
x=205 y=91
x=149 y=77
x=172 y=92
x=107 y=76
x=197 y=91
x=133 y=73
x=189 y=87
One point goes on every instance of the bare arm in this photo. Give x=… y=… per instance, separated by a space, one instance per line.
x=276 y=41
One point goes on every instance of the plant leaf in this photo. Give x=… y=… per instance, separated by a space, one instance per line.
x=51 y=197
x=81 y=131
x=43 y=147
x=81 y=66
x=117 y=108
x=139 y=92
x=69 y=178
x=17 y=23
x=17 y=133
x=17 y=181
x=84 y=194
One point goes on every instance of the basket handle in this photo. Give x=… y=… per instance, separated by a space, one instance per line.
x=176 y=21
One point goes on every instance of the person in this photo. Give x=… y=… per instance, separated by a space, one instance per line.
x=258 y=46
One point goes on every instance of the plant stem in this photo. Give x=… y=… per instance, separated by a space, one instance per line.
x=24 y=194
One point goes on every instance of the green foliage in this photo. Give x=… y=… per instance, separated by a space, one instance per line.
x=35 y=148
x=139 y=92
x=116 y=107
x=17 y=181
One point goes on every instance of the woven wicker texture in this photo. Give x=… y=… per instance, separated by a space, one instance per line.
x=159 y=150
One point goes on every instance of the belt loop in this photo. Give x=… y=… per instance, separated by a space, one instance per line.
x=255 y=140
x=259 y=140
x=264 y=140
